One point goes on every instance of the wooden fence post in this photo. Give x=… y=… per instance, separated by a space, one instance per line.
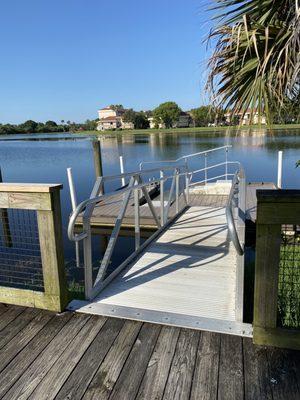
x=274 y=209
x=51 y=245
x=45 y=200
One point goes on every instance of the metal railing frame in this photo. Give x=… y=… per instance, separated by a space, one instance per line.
x=238 y=187
x=135 y=188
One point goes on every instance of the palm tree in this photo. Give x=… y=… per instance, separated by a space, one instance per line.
x=256 y=58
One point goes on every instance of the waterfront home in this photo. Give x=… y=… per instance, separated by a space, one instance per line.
x=184 y=121
x=153 y=124
x=247 y=118
x=111 y=118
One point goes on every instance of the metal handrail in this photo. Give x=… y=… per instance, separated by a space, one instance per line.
x=185 y=157
x=238 y=179
x=94 y=200
x=136 y=187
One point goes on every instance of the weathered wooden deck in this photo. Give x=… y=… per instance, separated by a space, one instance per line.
x=77 y=356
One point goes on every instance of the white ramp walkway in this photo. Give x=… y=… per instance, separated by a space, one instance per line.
x=186 y=277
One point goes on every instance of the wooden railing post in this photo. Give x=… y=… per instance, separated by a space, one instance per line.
x=45 y=200
x=266 y=275
x=52 y=254
x=274 y=209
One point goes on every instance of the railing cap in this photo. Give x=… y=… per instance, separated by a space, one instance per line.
x=30 y=187
x=278 y=195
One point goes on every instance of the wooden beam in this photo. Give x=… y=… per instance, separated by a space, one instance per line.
x=277 y=337
x=29 y=187
x=51 y=246
x=268 y=240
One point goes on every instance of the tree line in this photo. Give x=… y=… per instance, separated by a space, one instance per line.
x=31 y=126
x=168 y=114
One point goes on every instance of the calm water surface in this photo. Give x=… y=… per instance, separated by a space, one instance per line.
x=46 y=160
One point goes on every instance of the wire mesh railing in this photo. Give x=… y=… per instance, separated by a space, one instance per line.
x=32 y=271
x=289 y=278
x=20 y=256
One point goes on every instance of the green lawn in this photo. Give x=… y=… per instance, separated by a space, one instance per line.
x=204 y=129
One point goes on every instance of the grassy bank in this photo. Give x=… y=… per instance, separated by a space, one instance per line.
x=204 y=130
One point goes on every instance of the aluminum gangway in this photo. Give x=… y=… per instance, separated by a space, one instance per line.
x=190 y=271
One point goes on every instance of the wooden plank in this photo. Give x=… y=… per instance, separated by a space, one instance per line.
x=29 y=201
x=256 y=372
x=284 y=369
x=26 y=201
x=205 y=381
x=17 y=325
x=231 y=379
x=278 y=213
x=34 y=374
x=62 y=368
x=28 y=298
x=105 y=378
x=77 y=383
x=26 y=357
x=23 y=337
x=268 y=239
x=9 y=315
x=29 y=187
x=127 y=385
x=180 y=378
x=52 y=254
x=278 y=337
x=278 y=196
x=156 y=375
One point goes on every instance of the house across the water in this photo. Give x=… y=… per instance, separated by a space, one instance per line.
x=112 y=118
x=248 y=118
x=184 y=121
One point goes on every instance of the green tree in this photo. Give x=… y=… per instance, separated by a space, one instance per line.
x=201 y=115
x=205 y=115
x=255 y=63
x=117 y=106
x=168 y=113
x=90 y=125
x=28 y=126
x=141 y=121
x=129 y=116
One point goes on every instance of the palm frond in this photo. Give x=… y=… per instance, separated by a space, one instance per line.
x=256 y=61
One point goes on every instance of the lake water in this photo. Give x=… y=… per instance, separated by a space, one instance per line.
x=45 y=159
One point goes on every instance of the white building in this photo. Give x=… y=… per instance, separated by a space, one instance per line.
x=110 y=118
x=250 y=117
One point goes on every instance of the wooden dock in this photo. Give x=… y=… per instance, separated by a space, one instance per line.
x=75 y=356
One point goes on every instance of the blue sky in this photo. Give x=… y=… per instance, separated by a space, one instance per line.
x=64 y=59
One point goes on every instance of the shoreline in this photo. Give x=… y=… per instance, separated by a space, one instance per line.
x=204 y=130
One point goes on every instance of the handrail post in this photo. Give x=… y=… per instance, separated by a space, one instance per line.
x=162 y=198
x=137 y=233
x=279 y=170
x=87 y=260
x=205 y=166
x=74 y=205
x=187 y=183
x=226 y=163
x=176 y=190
